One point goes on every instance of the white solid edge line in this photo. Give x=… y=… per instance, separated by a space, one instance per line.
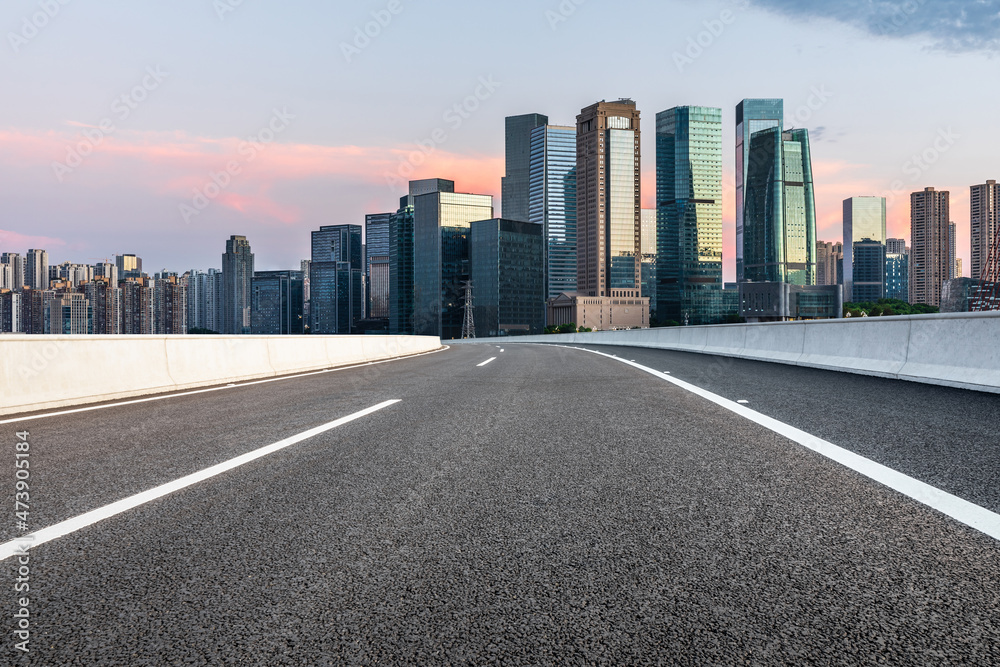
x=486 y=362
x=961 y=510
x=163 y=397
x=21 y=545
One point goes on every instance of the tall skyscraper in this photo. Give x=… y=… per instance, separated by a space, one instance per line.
x=829 y=262
x=689 y=214
x=441 y=258
x=985 y=223
x=16 y=264
x=929 y=252
x=10 y=311
x=552 y=202
x=401 y=290
x=69 y=313
x=608 y=204
x=336 y=284
x=869 y=271
x=105 y=299
x=377 y=264
x=276 y=303
x=514 y=186
x=752 y=116
x=508 y=277
x=864 y=220
x=779 y=214
x=36 y=270
x=237 y=276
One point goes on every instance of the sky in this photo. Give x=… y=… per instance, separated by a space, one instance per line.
x=161 y=129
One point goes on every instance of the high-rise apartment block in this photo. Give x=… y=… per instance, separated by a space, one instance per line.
x=929 y=252
x=829 y=263
x=952 y=250
x=237 y=276
x=552 y=202
x=36 y=270
x=15 y=263
x=514 y=186
x=689 y=215
x=985 y=223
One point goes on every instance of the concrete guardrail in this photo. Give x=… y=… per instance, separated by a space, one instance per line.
x=953 y=349
x=46 y=372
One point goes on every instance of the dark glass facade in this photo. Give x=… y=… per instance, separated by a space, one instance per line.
x=752 y=115
x=689 y=215
x=779 y=216
x=336 y=292
x=441 y=258
x=869 y=271
x=515 y=185
x=237 y=274
x=377 y=249
x=277 y=303
x=897 y=276
x=508 y=279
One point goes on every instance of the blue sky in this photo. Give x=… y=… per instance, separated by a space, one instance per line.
x=887 y=83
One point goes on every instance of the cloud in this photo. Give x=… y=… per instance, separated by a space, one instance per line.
x=954 y=25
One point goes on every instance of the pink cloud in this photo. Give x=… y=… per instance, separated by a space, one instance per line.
x=11 y=241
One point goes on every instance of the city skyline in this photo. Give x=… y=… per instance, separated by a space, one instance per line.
x=327 y=163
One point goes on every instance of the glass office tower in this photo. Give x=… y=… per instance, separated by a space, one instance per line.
x=335 y=280
x=552 y=203
x=897 y=275
x=277 y=303
x=514 y=187
x=441 y=258
x=377 y=264
x=779 y=215
x=401 y=288
x=752 y=115
x=237 y=275
x=508 y=280
x=647 y=272
x=864 y=219
x=689 y=215
x=869 y=271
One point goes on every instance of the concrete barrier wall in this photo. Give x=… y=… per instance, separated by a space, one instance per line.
x=954 y=349
x=46 y=372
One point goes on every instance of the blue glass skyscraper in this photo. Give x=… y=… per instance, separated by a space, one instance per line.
x=752 y=115
x=689 y=215
x=335 y=280
x=552 y=203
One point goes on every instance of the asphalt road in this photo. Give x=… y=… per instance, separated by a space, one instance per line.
x=550 y=507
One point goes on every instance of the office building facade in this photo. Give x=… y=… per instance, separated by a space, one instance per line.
x=689 y=215
x=508 y=277
x=752 y=116
x=552 y=202
x=441 y=226
x=869 y=271
x=336 y=280
x=929 y=245
x=514 y=186
x=864 y=220
x=377 y=255
x=779 y=214
x=277 y=303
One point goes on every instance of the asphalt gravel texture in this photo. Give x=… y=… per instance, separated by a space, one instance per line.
x=551 y=507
